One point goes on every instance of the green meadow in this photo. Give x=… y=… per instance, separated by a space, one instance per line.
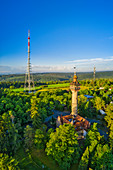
x=42 y=87
x=36 y=159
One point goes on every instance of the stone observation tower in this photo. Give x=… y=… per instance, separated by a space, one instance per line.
x=28 y=77
x=80 y=124
x=74 y=86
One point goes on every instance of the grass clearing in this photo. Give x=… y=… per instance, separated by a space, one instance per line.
x=58 y=85
x=36 y=159
x=83 y=87
x=25 y=161
x=51 y=89
x=22 y=89
x=64 y=86
x=48 y=161
x=74 y=167
x=42 y=88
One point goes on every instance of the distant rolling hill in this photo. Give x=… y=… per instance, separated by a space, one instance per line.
x=43 y=77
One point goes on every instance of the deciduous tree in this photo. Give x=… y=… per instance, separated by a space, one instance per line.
x=63 y=145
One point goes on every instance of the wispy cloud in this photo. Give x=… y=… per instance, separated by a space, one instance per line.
x=35 y=68
x=91 y=60
x=11 y=70
x=55 y=68
x=102 y=64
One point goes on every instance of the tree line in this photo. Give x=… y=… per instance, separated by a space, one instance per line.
x=42 y=77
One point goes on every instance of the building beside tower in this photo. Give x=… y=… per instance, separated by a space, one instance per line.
x=29 y=83
x=81 y=125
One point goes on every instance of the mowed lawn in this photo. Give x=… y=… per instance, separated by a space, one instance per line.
x=64 y=86
x=25 y=161
x=59 y=85
x=36 y=159
x=51 y=86
x=22 y=89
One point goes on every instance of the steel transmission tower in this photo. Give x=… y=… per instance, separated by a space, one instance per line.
x=94 y=72
x=28 y=77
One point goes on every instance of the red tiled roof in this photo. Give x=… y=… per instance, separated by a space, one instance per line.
x=79 y=122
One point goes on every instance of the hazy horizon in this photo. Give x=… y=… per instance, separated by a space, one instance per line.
x=54 y=72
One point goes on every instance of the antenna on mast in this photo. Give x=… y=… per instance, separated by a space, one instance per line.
x=74 y=70
x=94 y=72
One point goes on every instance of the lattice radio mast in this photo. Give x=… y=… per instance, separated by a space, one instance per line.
x=94 y=72
x=28 y=77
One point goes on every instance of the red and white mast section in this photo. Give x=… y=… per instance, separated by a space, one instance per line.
x=29 y=78
x=28 y=69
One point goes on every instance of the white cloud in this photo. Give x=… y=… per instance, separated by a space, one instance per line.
x=11 y=70
x=35 y=68
x=83 y=65
x=91 y=60
x=55 y=68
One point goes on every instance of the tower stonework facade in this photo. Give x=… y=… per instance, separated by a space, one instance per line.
x=75 y=87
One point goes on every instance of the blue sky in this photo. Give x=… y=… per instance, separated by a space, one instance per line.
x=64 y=34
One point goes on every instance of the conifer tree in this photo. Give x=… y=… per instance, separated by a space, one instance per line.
x=109 y=119
x=63 y=146
x=35 y=116
x=83 y=164
x=29 y=136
